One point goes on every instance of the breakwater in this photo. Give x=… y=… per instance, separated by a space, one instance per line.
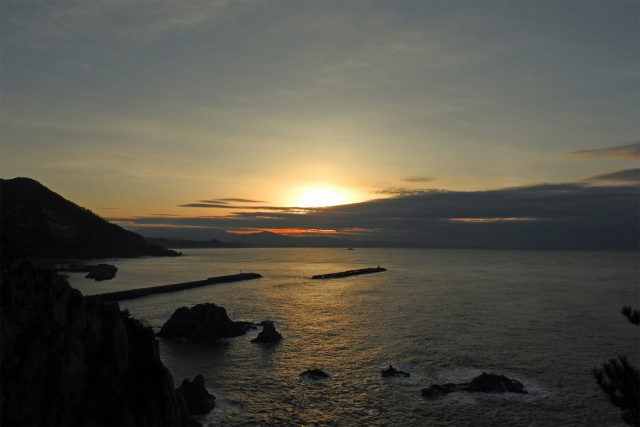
x=143 y=292
x=349 y=273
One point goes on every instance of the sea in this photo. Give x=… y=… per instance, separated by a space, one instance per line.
x=543 y=318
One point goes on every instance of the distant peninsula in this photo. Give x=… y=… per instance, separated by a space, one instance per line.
x=38 y=223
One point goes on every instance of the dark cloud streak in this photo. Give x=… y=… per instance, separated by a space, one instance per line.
x=620 y=176
x=629 y=151
x=225 y=201
x=553 y=216
x=399 y=191
x=417 y=179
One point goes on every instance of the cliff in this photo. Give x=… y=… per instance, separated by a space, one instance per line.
x=41 y=224
x=67 y=360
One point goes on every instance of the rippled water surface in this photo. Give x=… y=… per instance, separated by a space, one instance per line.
x=543 y=318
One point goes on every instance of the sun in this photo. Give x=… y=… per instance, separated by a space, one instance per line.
x=321 y=197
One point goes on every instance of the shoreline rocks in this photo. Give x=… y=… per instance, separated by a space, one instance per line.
x=68 y=360
x=485 y=383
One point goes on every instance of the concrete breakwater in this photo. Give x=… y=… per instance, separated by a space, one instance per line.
x=349 y=273
x=142 y=292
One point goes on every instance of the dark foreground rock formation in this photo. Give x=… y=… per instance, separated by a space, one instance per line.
x=268 y=334
x=202 y=323
x=485 y=383
x=67 y=360
x=393 y=372
x=199 y=401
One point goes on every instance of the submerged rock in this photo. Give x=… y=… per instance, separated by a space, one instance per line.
x=485 y=383
x=393 y=372
x=268 y=334
x=202 y=323
x=314 y=374
x=199 y=401
x=68 y=360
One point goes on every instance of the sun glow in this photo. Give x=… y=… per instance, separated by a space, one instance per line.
x=321 y=197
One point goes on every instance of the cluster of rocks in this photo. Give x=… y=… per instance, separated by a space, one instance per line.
x=485 y=383
x=69 y=360
x=209 y=323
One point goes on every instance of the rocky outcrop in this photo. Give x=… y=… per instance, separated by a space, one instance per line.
x=268 y=334
x=66 y=360
x=202 y=323
x=485 y=383
x=102 y=272
x=198 y=400
x=393 y=372
x=314 y=374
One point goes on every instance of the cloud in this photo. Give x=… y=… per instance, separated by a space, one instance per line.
x=630 y=176
x=58 y=22
x=399 y=191
x=223 y=204
x=215 y=201
x=417 y=179
x=624 y=152
x=544 y=216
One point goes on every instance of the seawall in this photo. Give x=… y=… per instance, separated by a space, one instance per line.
x=143 y=292
x=349 y=273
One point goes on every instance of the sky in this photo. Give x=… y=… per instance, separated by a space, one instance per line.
x=253 y=115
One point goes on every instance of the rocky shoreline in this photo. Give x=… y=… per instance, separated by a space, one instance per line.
x=69 y=360
x=73 y=360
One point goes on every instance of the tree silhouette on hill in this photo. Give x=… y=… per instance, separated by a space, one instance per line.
x=621 y=381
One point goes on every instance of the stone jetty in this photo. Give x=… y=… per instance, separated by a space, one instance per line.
x=349 y=273
x=143 y=292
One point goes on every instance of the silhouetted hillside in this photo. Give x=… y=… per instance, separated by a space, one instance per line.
x=40 y=224
x=184 y=244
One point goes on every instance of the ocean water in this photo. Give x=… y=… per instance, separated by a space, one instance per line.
x=543 y=318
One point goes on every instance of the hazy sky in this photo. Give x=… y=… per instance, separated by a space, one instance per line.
x=157 y=108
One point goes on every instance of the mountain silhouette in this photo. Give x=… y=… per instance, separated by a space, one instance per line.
x=38 y=223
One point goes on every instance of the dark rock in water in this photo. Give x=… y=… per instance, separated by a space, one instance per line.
x=102 y=272
x=485 y=383
x=67 y=360
x=437 y=390
x=201 y=323
x=314 y=374
x=199 y=401
x=268 y=334
x=492 y=383
x=393 y=372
